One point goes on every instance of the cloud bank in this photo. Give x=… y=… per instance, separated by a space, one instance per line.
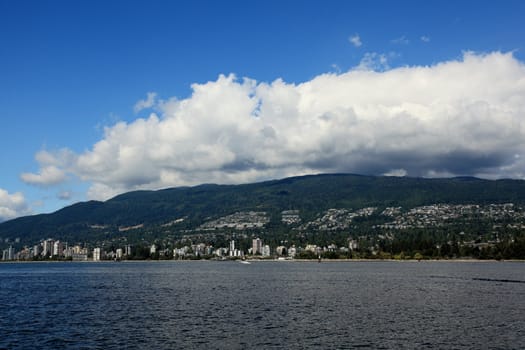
x=12 y=205
x=460 y=117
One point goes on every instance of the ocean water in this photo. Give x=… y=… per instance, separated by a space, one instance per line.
x=264 y=305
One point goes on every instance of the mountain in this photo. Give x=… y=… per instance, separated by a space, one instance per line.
x=185 y=208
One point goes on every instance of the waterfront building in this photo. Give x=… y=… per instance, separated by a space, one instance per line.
x=239 y=253
x=10 y=253
x=24 y=254
x=257 y=246
x=79 y=256
x=180 y=252
x=266 y=250
x=153 y=249
x=119 y=253
x=222 y=252
x=292 y=251
x=47 y=247
x=311 y=248
x=232 y=247
x=37 y=250
x=96 y=254
x=199 y=249
x=79 y=250
x=58 y=248
x=280 y=250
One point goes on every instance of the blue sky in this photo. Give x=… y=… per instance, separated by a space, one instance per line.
x=73 y=73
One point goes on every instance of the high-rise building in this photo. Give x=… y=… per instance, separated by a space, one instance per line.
x=58 y=248
x=96 y=254
x=11 y=253
x=47 y=247
x=257 y=246
x=37 y=249
x=232 y=247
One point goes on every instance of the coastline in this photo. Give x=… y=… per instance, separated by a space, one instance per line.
x=459 y=260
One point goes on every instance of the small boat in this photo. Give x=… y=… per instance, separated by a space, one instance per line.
x=244 y=262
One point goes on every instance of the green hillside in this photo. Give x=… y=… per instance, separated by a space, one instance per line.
x=308 y=194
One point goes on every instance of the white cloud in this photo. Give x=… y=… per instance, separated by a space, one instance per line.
x=373 y=61
x=48 y=175
x=12 y=205
x=425 y=39
x=396 y=172
x=402 y=40
x=53 y=168
x=149 y=102
x=355 y=40
x=460 y=117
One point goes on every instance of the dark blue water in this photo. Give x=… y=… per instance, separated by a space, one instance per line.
x=265 y=305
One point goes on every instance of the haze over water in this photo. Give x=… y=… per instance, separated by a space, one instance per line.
x=279 y=305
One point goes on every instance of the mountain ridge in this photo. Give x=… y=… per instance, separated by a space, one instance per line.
x=310 y=194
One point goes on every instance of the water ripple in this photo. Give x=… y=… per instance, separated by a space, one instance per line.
x=270 y=305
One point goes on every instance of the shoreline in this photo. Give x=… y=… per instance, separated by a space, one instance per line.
x=460 y=260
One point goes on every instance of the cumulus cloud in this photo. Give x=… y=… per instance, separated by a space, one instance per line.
x=53 y=168
x=459 y=117
x=425 y=39
x=48 y=175
x=355 y=40
x=149 y=102
x=12 y=205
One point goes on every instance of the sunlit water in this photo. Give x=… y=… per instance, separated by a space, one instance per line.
x=264 y=305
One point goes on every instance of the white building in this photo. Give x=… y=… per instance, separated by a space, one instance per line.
x=232 y=247
x=37 y=250
x=178 y=252
x=292 y=251
x=8 y=254
x=280 y=250
x=266 y=250
x=96 y=254
x=257 y=246
x=58 y=248
x=47 y=247
x=352 y=244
